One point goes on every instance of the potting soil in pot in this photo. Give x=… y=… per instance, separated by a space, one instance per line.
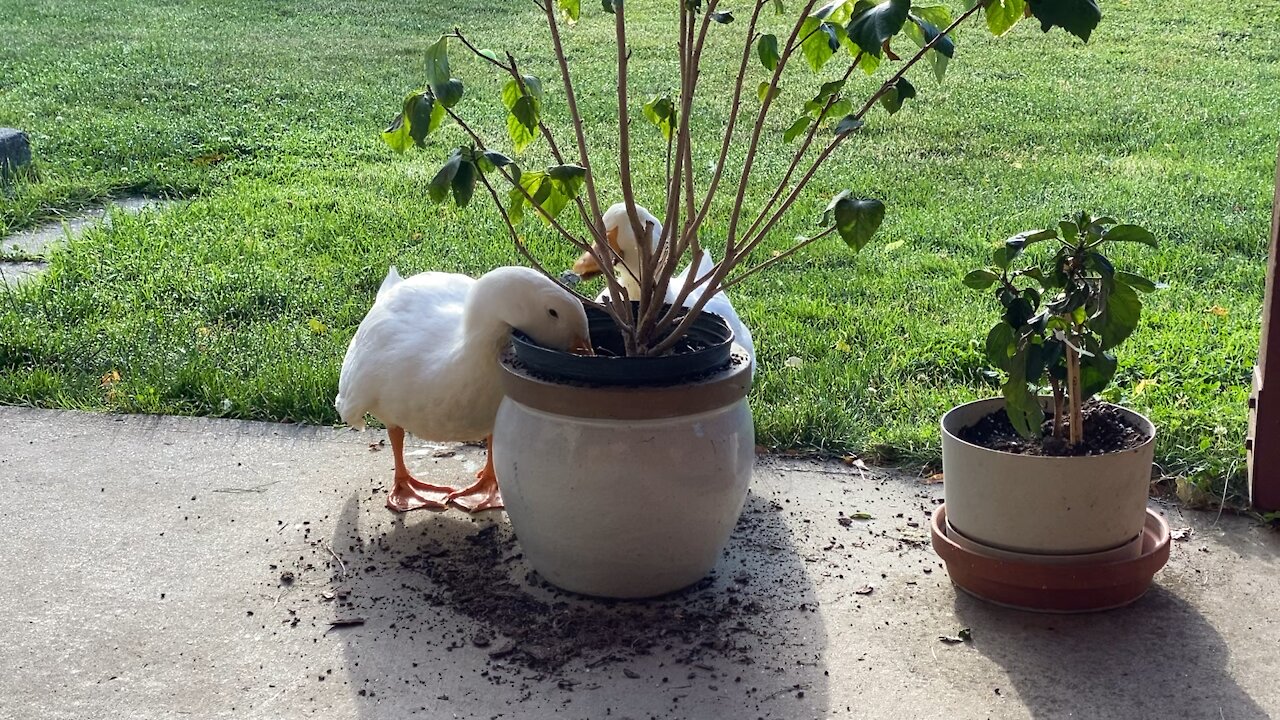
x=1106 y=430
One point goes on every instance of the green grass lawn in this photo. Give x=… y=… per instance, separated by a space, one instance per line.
x=265 y=115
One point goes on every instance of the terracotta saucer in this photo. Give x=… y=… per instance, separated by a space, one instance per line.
x=1030 y=583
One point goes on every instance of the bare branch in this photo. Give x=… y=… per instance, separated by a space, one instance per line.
x=775 y=259
x=747 y=164
x=804 y=148
x=786 y=204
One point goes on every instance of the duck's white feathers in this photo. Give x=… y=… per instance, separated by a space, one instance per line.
x=408 y=363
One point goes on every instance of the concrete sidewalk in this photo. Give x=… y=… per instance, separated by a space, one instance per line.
x=170 y=567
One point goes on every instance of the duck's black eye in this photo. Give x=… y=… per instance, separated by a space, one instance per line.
x=552 y=312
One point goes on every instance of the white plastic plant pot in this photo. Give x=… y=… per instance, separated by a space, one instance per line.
x=1044 y=505
x=624 y=492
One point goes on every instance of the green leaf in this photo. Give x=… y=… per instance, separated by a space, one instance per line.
x=836 y=12
x=525 y=104
x=438 y=190
x=1020 y=403
x=901 y=91
x=723 y=17
x=1078 y=17
x=856 y=219
x=661 y=111
x=1001 y=346
x=1118 y=318
x=1137 y=282
x=519 y=132
x=817 y=107
x=1130 y=233
x=797 y=128
x=848 y=124
x=491 y=54
x=1096 y=370
x=571 y=9
x=870 y=28
x=767 y=50
x=980 y=279
x=551 y=191
x=922 y=32
x=438 y=62
x=869 y=63
x=765 y=89
x=820 y=41
x=420 y=110
x=936 y=15
x=513 y=91
x=464 y=183
x=448 y=93
x=1070 y=231
x=1004 y=255
x=608 y=5
x=836 y=109
x=1019 y=312
x=1031 y=237
x=1002 y=15
x=778 y=7
x=397 y=134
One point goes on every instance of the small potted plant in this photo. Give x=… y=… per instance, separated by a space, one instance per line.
x=1059 y=478
x=616 y=486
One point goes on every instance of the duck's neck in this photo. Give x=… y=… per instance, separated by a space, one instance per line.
x=483 y=333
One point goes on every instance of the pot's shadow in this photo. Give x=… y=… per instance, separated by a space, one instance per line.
x=1156 y=659
x=456 y=625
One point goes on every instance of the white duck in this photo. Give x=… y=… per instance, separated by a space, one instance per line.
x=627 y=254
x=425 y=360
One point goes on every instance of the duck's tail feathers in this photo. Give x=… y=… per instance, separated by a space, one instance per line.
x=393 y=279
x=348 y=414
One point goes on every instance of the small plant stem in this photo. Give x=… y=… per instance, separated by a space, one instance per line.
x=513 y=70
x=574 y=240
x=723 y=267
x=1057 y=407
x=1073 y=394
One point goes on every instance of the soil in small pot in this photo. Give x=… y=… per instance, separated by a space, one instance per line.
x=1106 y=430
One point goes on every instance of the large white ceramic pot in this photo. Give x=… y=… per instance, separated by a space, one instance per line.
x=624 y=492
x=1044 y=505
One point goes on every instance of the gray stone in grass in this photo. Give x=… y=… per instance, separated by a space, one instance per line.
x=15 y=150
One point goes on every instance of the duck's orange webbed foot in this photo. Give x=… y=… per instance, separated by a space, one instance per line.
x=483 y=494
x=411 y=494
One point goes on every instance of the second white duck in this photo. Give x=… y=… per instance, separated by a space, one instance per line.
x=628 y=257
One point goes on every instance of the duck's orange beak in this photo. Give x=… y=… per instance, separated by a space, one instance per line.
x=587 y=267
x=582 y=346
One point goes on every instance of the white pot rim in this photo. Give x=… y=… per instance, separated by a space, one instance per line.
x=949 y=421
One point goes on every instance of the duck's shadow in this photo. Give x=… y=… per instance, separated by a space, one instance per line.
x=453 y=614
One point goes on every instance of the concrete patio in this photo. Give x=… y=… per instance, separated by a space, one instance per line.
x=171 y=567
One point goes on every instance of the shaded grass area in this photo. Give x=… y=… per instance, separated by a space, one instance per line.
x=265 y=115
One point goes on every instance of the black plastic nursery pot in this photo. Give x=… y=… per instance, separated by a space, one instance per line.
x=707 y=347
